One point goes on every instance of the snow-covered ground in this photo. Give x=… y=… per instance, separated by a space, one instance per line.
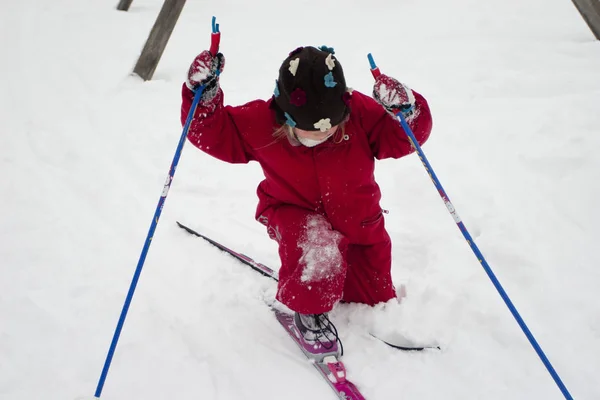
x=514 y=88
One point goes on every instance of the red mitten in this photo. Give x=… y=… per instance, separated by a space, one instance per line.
x=393 y=95
x=204 y=71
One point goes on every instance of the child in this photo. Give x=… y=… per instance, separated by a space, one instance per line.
x=316 y=141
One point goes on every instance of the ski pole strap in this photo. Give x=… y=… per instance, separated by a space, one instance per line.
x=471 y=242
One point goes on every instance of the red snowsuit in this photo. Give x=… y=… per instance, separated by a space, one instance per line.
x=320 y=203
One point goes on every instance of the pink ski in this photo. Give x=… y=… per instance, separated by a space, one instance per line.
x=325 y=360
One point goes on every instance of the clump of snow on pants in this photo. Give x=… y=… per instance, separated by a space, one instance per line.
x=321 y=257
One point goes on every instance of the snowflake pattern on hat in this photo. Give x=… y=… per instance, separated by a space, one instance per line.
x=346 y=97
x=327 y=49
x=330 y=62
x=329 y=82
x=295 y=51
x=298 y=97
x=289 y=120
x=323 y=124
x=294 y=66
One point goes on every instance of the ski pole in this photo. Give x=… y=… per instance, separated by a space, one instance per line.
x=413 y=140
x=214 y=47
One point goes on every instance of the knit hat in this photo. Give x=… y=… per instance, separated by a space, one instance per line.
x=311 y=90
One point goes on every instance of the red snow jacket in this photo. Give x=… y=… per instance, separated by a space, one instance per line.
x=334 y=179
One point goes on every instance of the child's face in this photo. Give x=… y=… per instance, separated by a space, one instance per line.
x=315 y=135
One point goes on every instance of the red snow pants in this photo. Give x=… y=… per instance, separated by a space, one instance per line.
x=320 y=267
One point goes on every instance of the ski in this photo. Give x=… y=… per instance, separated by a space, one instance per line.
x=268 y=272
x=244 y=259
x=329 y=366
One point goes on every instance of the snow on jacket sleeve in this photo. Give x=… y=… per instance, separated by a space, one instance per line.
x=386 y=136
x=213 y=129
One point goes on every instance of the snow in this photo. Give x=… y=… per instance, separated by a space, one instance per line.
x=200 y=75
x=514 y=88
x=321 y=258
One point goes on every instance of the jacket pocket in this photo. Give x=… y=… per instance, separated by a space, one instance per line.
x=372 y=220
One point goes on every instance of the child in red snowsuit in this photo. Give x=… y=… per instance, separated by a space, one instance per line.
x=316 y=141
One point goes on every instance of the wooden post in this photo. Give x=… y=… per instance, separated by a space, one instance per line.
x=158 y=38
x=590 y=11
x=124 y=5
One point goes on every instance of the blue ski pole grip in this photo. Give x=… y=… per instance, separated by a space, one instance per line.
x=374 y=70
x=215 y=37
x=215 y=26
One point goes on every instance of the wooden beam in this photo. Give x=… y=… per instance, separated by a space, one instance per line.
x=590 y=11
x=158 y=38
x=124 y=5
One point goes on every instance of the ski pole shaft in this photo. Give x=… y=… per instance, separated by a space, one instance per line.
x=161 y=201
x=147 y=243
x=471 y=242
